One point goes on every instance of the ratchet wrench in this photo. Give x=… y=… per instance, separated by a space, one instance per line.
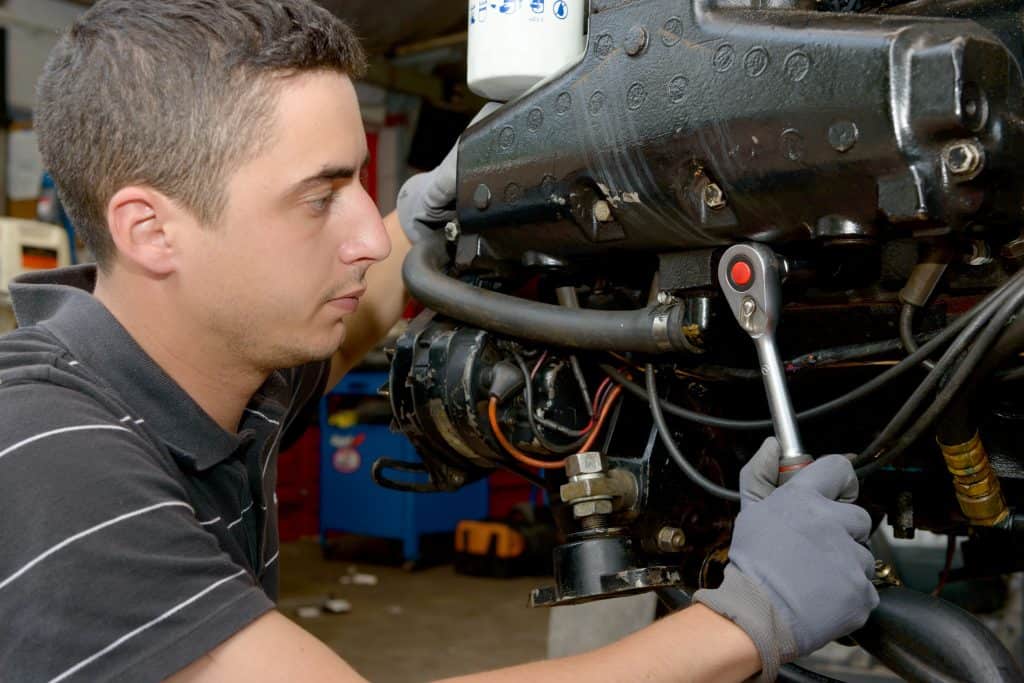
x=749 y=277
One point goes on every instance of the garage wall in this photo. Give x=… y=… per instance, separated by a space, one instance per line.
x=32 y=30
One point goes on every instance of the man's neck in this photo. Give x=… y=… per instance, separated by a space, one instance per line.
x=208 y=371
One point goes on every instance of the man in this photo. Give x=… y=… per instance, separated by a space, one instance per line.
x=210 y=152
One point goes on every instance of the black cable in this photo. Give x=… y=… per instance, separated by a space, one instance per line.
x=578 y=371
x=907 y=333
x=528 y=394
x=811 y=359
x=689 y=470
x=1009 y=300
x=866 y=389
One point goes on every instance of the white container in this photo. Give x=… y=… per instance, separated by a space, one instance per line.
x=515 y=44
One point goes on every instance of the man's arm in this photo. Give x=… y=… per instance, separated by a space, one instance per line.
x=379 y=309
x=694 y=645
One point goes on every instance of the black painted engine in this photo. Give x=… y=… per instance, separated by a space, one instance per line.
x=875 y=151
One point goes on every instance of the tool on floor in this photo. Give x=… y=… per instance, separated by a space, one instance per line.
x=749 y=277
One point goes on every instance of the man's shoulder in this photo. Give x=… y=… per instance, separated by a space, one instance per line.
x=26 y=349
x=42 y=384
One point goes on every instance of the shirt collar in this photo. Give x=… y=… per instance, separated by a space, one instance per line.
x=61 y=302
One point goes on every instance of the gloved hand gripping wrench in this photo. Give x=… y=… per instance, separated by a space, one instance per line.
x=749 y=277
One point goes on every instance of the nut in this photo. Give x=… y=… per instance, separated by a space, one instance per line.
x=963 y=158
x=602 y=211
x=885 y=574
x=665 y=298
x=592 y=507
x=714 y=198
x=588 y=488
x=451 y=231
x=671 y=539
x=590 y=462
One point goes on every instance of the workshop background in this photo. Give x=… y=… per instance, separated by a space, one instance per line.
x=374 y=573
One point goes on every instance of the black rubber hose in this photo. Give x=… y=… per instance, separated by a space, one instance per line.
x=924 y=638
x=907 y=333
x=691 y=472
x=918 y=636
x=635 y=330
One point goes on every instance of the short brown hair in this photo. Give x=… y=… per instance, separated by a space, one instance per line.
x=175 y=94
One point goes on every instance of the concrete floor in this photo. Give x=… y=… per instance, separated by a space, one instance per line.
x=414 y=626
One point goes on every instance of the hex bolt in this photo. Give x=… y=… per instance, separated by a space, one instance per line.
x=602 y=211
x=842 y=135
x=451 y=231
x=665 y=298
x=586 y=463
x=964 y=158
x=482 y=197
x=714 y=198
x=671 y=539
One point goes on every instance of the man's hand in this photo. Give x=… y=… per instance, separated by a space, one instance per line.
x=800 y=572
x=426 y=201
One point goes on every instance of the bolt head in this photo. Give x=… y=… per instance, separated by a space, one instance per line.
x=963 y=158
x=714 y=198
x=671 y=539
x=482 y=197
x=842 y=135
x=636 y=41
x=602 y=211
x=451 y=231
x=664 y=298
x=589 y=462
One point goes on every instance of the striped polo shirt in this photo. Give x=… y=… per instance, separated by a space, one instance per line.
x=135 y=534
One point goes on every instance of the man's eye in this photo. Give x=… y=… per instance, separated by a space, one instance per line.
x=322 y=203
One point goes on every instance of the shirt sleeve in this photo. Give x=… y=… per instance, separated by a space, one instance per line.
x=308 y=383
x=105 y=572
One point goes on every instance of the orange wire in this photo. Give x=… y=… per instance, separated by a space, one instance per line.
x=492 y=414
x=605 y=411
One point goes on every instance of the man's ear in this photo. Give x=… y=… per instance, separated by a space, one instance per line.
x=141 y=222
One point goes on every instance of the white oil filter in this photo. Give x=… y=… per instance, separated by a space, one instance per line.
x=515 y=44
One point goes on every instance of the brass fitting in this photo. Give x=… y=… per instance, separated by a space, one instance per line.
x=976 y=485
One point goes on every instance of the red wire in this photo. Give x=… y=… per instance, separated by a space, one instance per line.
x=492 y=415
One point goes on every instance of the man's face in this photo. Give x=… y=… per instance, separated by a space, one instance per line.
x=275 y=279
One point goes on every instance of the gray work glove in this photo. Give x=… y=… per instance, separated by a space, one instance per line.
x=426 y=201
x=799 y=572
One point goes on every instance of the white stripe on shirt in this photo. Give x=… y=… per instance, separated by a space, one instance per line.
x=256 y=412
x=272 y=559
x=91 y=530
x=63 y=430
x=128 y=636
x=241 y=516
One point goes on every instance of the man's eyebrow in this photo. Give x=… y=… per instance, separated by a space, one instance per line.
x=331 y=172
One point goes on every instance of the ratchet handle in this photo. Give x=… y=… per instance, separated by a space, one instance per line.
x=788 y=467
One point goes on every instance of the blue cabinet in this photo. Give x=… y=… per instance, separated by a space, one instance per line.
x=349 y=499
